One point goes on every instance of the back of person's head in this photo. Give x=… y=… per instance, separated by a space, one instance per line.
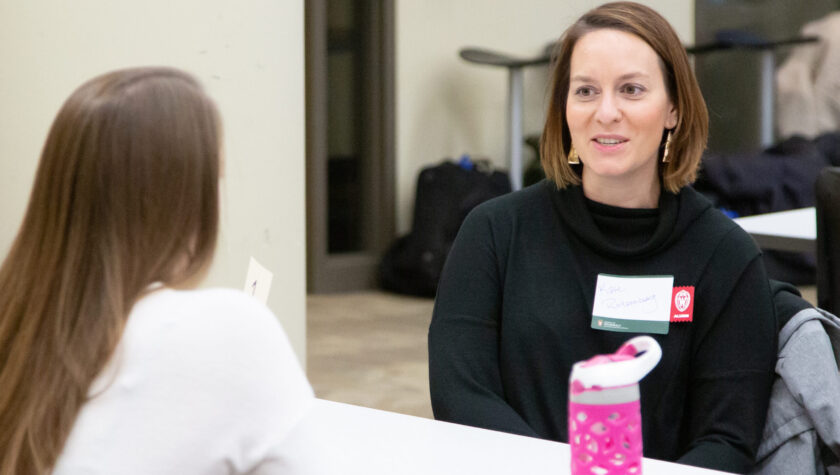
x=690 y=134
x=125 y=195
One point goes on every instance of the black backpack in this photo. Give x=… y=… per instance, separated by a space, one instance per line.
x=445 y=194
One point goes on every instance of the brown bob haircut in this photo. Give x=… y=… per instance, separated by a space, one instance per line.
x=126 y=195
x=688 y=137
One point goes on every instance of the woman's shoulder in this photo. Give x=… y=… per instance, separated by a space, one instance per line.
x=223 y=339
x=195 y=361
x=530 y=199
x=214 y=307
x=211 y=296
x=716 y=228
x=191 y=326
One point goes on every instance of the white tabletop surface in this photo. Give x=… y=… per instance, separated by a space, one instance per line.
x=796 y=223
x=794 y=230
x=357 y=440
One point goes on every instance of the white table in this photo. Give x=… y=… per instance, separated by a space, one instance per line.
x=794 y=230
x=356 y=440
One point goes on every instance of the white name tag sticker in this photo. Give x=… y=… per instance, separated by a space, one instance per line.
x=638 y=304
x=258 y=281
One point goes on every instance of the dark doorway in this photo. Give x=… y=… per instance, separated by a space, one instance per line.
x=349 y=141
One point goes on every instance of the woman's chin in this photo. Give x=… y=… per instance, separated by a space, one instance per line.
x=606 y=171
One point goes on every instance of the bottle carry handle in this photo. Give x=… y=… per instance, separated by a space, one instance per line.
x=622 y=369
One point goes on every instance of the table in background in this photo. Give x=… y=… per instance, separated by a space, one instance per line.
x=793 y=230
x=356 y=440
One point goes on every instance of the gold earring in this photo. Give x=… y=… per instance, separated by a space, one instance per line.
x=665 y=157
x=573 y=157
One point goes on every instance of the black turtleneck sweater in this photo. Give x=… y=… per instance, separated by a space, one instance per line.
x=514 y=309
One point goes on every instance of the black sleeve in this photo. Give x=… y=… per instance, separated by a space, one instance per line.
x=464 y=378
x=787 y=301
x=731 y=376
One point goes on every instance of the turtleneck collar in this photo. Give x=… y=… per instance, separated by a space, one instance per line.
x=599 y=225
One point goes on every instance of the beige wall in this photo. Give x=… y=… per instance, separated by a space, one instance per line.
x=249 y=55
x=445 y=106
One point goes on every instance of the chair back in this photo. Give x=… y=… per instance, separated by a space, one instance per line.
x=827 y=193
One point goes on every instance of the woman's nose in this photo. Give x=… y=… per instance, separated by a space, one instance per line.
x=608 y=110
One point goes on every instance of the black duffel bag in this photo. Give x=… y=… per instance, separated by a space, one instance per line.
x=445 y=194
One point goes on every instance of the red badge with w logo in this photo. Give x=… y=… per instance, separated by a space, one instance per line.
x=682 y=304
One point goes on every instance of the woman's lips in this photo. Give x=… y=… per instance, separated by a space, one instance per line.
x=609 y=143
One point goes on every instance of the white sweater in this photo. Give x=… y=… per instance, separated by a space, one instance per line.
x=202 y=382
x=808 y=83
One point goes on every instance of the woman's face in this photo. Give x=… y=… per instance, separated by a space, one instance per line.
x=617 y=108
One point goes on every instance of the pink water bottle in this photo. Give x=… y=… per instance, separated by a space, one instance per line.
x=605 y=420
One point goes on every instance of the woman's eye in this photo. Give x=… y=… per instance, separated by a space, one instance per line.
x=584 y=91
x=632 y=89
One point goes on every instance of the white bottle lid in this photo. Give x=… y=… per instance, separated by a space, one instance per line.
x=628 y=365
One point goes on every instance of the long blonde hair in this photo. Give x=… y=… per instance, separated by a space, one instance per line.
x=126 y=194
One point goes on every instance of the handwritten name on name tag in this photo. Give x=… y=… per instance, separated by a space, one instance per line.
x=639 y=304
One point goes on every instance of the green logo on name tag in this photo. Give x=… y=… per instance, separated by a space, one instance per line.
x=629 y=326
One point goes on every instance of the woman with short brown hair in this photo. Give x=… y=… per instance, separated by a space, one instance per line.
x=524 y=292
x=688 y=137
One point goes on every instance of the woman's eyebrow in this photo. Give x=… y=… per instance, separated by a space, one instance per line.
x=633 y=75
x=623 y=77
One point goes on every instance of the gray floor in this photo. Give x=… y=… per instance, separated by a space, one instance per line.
x=369 y=349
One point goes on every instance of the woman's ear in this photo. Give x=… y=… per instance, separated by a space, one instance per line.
x=671 y=120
